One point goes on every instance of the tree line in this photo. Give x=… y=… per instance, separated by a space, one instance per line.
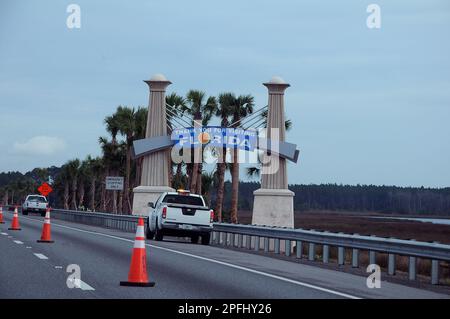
x=359 y=198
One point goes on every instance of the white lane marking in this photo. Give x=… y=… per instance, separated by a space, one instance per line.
x=81 y=284
x=18 y=242
x=28 y=247
x=40 y=256
x=296 y=282
x=58 y=267
x=4 y=234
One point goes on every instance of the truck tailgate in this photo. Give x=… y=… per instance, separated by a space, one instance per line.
x=188 y=214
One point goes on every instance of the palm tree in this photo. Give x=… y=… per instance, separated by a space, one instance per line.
x=114 y=156
x=198 y=107
x=126 y=119
x=83 y=176
x=63 y=178
x=241 y=107
x=177 y=107
x=73 y=167
x=223 y=111
x=112 y=127
x=209 y=179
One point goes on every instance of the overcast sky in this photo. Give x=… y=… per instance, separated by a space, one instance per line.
x=369 y=106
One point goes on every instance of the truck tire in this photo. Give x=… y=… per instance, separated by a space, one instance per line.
x=24 y=212
x=43 y=214
x=205 y=239
x=158 y=235
x=194 y=239
x=149 y=234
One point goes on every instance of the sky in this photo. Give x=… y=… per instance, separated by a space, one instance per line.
x=368 y=106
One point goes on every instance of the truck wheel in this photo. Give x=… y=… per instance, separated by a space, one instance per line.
x=158 y=235
x=205 y=239
x=194 y=239
x=24 y=212
x=43 y=214
x=149 y=234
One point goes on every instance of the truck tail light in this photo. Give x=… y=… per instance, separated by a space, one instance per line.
x=211 y=216
x=164 y=212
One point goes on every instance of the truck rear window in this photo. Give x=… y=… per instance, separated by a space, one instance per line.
x=183 y=199
x=38 y=199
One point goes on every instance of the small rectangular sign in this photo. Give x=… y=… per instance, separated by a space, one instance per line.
x=114 y=183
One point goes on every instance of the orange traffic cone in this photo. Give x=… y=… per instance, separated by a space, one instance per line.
x=138 y=268
x=1 y=215
x=15 y=221
x=46 y=237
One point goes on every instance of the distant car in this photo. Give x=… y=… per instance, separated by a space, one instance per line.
x=35 y=203
x=180 y=214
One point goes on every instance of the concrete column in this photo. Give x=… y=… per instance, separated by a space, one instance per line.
x=274 y=202
x=155 y=166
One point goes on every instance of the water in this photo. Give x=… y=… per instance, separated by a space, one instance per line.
x=439 y=221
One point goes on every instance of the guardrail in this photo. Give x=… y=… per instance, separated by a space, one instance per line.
x=283 y=240
x=126 y=223
x=269 y=238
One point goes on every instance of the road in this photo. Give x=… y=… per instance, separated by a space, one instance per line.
x=181 y=270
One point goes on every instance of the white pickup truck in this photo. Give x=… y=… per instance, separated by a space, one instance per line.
x=180 y=214
x=35 y=203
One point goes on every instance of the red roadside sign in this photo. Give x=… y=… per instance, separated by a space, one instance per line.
x=45 y=189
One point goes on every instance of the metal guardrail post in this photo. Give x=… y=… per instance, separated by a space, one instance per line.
x=248 y=241
x=391 y=264
x=233 y=240
x=266 y=244
x=435 y=272
x=299 y=248
x=372 y=257
x=412 y=268
x=224 y=238
x=341 y=256
x=287 y=248
x=412 y=275
x=355 y=258
x=277 y=245
x=240 y=240
x=257 y=243
x=311 y=251
x=325 y=253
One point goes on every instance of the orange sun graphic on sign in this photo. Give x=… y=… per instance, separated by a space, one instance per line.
x=204 y=137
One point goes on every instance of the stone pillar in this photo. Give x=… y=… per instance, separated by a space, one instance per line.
x=155 y=166
x=274 y=202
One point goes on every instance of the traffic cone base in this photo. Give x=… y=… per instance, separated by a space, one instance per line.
x=137 y=284
x=14 y=228
x=45 y=241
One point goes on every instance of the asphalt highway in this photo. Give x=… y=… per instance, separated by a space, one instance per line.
x=180 y=270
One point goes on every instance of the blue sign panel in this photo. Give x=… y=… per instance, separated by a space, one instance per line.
x=215 y=136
